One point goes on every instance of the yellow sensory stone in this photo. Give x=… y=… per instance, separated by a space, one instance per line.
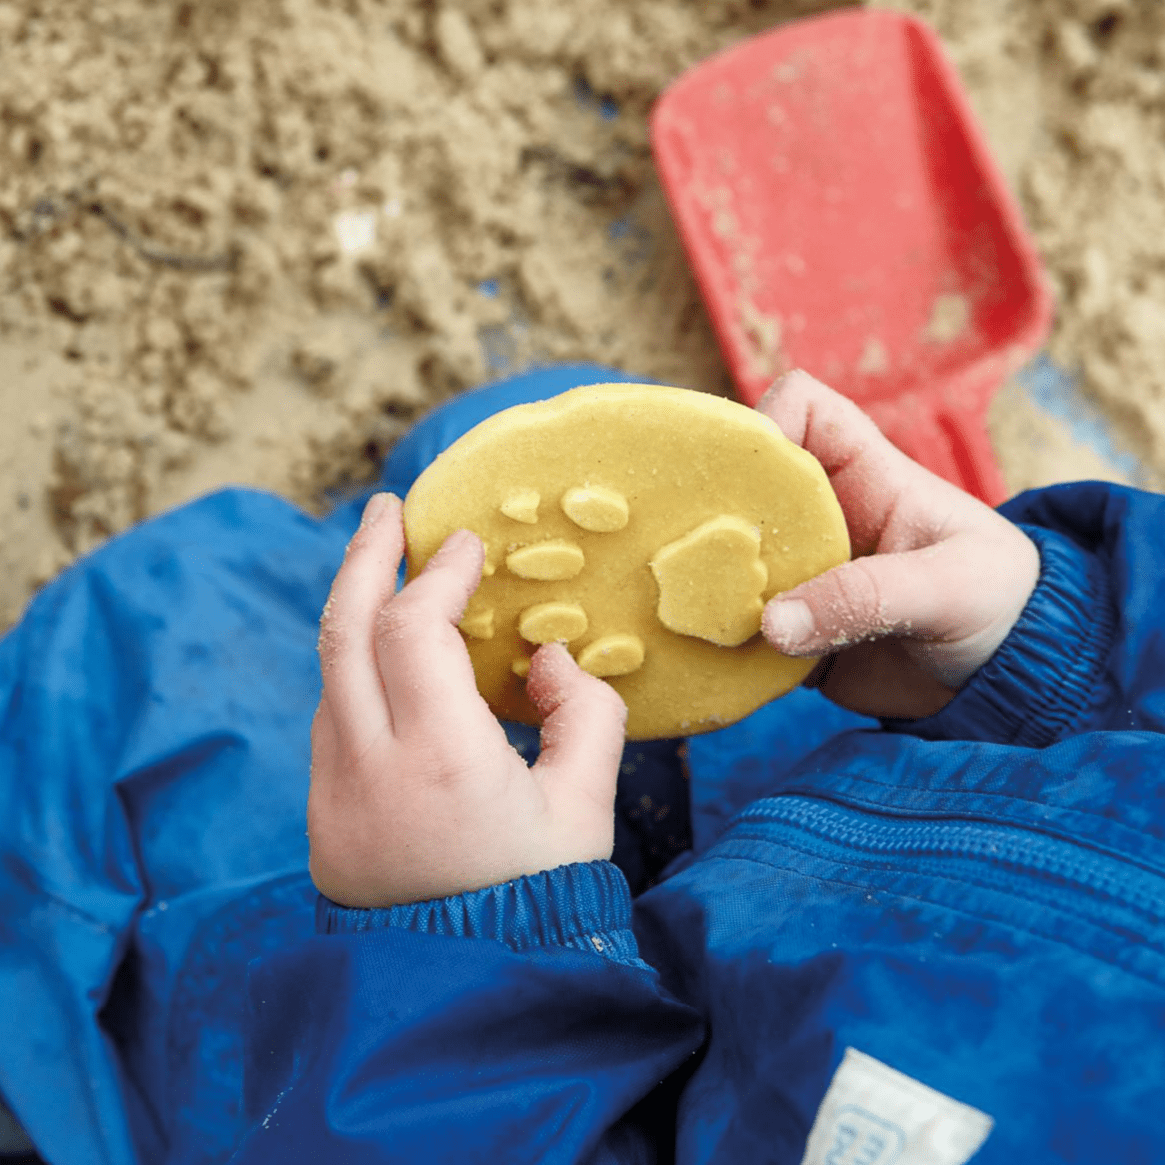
x=644 y=526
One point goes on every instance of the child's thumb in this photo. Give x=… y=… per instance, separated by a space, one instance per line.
x=582 y=722
x=910 y=594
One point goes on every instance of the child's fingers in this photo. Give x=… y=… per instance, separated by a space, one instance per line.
x=883 y=678
x=364 y=584
x=424 y=665
x=869 y=598
x=935 y=566
x=583 y=721
x=889 y=501
x=936 y=594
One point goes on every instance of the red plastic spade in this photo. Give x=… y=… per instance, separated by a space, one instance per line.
x=843 y=214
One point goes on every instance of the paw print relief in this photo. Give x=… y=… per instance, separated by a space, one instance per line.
x=549 y=622
x=711 y=581
x=596 y=508
x=522 y=506
x=553 y=561
x=612 y=655
x=634 y=523
x=478 y=624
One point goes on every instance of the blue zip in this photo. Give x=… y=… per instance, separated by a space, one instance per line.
x=1086 y=880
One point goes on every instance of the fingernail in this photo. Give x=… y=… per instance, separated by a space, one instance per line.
x=451 y=545
x=458 y=539
x=373 y=508
x=776 y=386
x=789 y=623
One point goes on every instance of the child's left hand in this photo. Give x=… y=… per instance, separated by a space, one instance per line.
x=415 y=791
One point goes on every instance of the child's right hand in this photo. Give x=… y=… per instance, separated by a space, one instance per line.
x=937 y=581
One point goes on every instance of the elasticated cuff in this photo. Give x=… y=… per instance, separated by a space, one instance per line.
x=1049 y=670
x=585 y=906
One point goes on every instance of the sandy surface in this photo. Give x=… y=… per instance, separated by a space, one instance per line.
x=248 y=243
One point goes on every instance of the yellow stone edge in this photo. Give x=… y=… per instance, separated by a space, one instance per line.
x=534 y=412
x=481 y=434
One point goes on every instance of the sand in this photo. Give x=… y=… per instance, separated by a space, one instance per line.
x=250 y=243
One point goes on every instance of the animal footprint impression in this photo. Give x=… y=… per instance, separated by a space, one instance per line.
x=645 y=528
x=711 y=581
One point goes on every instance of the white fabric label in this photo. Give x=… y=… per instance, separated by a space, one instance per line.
x=874 y=1115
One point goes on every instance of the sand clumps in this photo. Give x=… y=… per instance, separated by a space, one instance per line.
x=1095 y=193
x=249 y=242
x=1072 y=93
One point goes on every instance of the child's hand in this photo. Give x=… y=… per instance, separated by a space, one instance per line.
x=415 y=791
x=938 y=578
